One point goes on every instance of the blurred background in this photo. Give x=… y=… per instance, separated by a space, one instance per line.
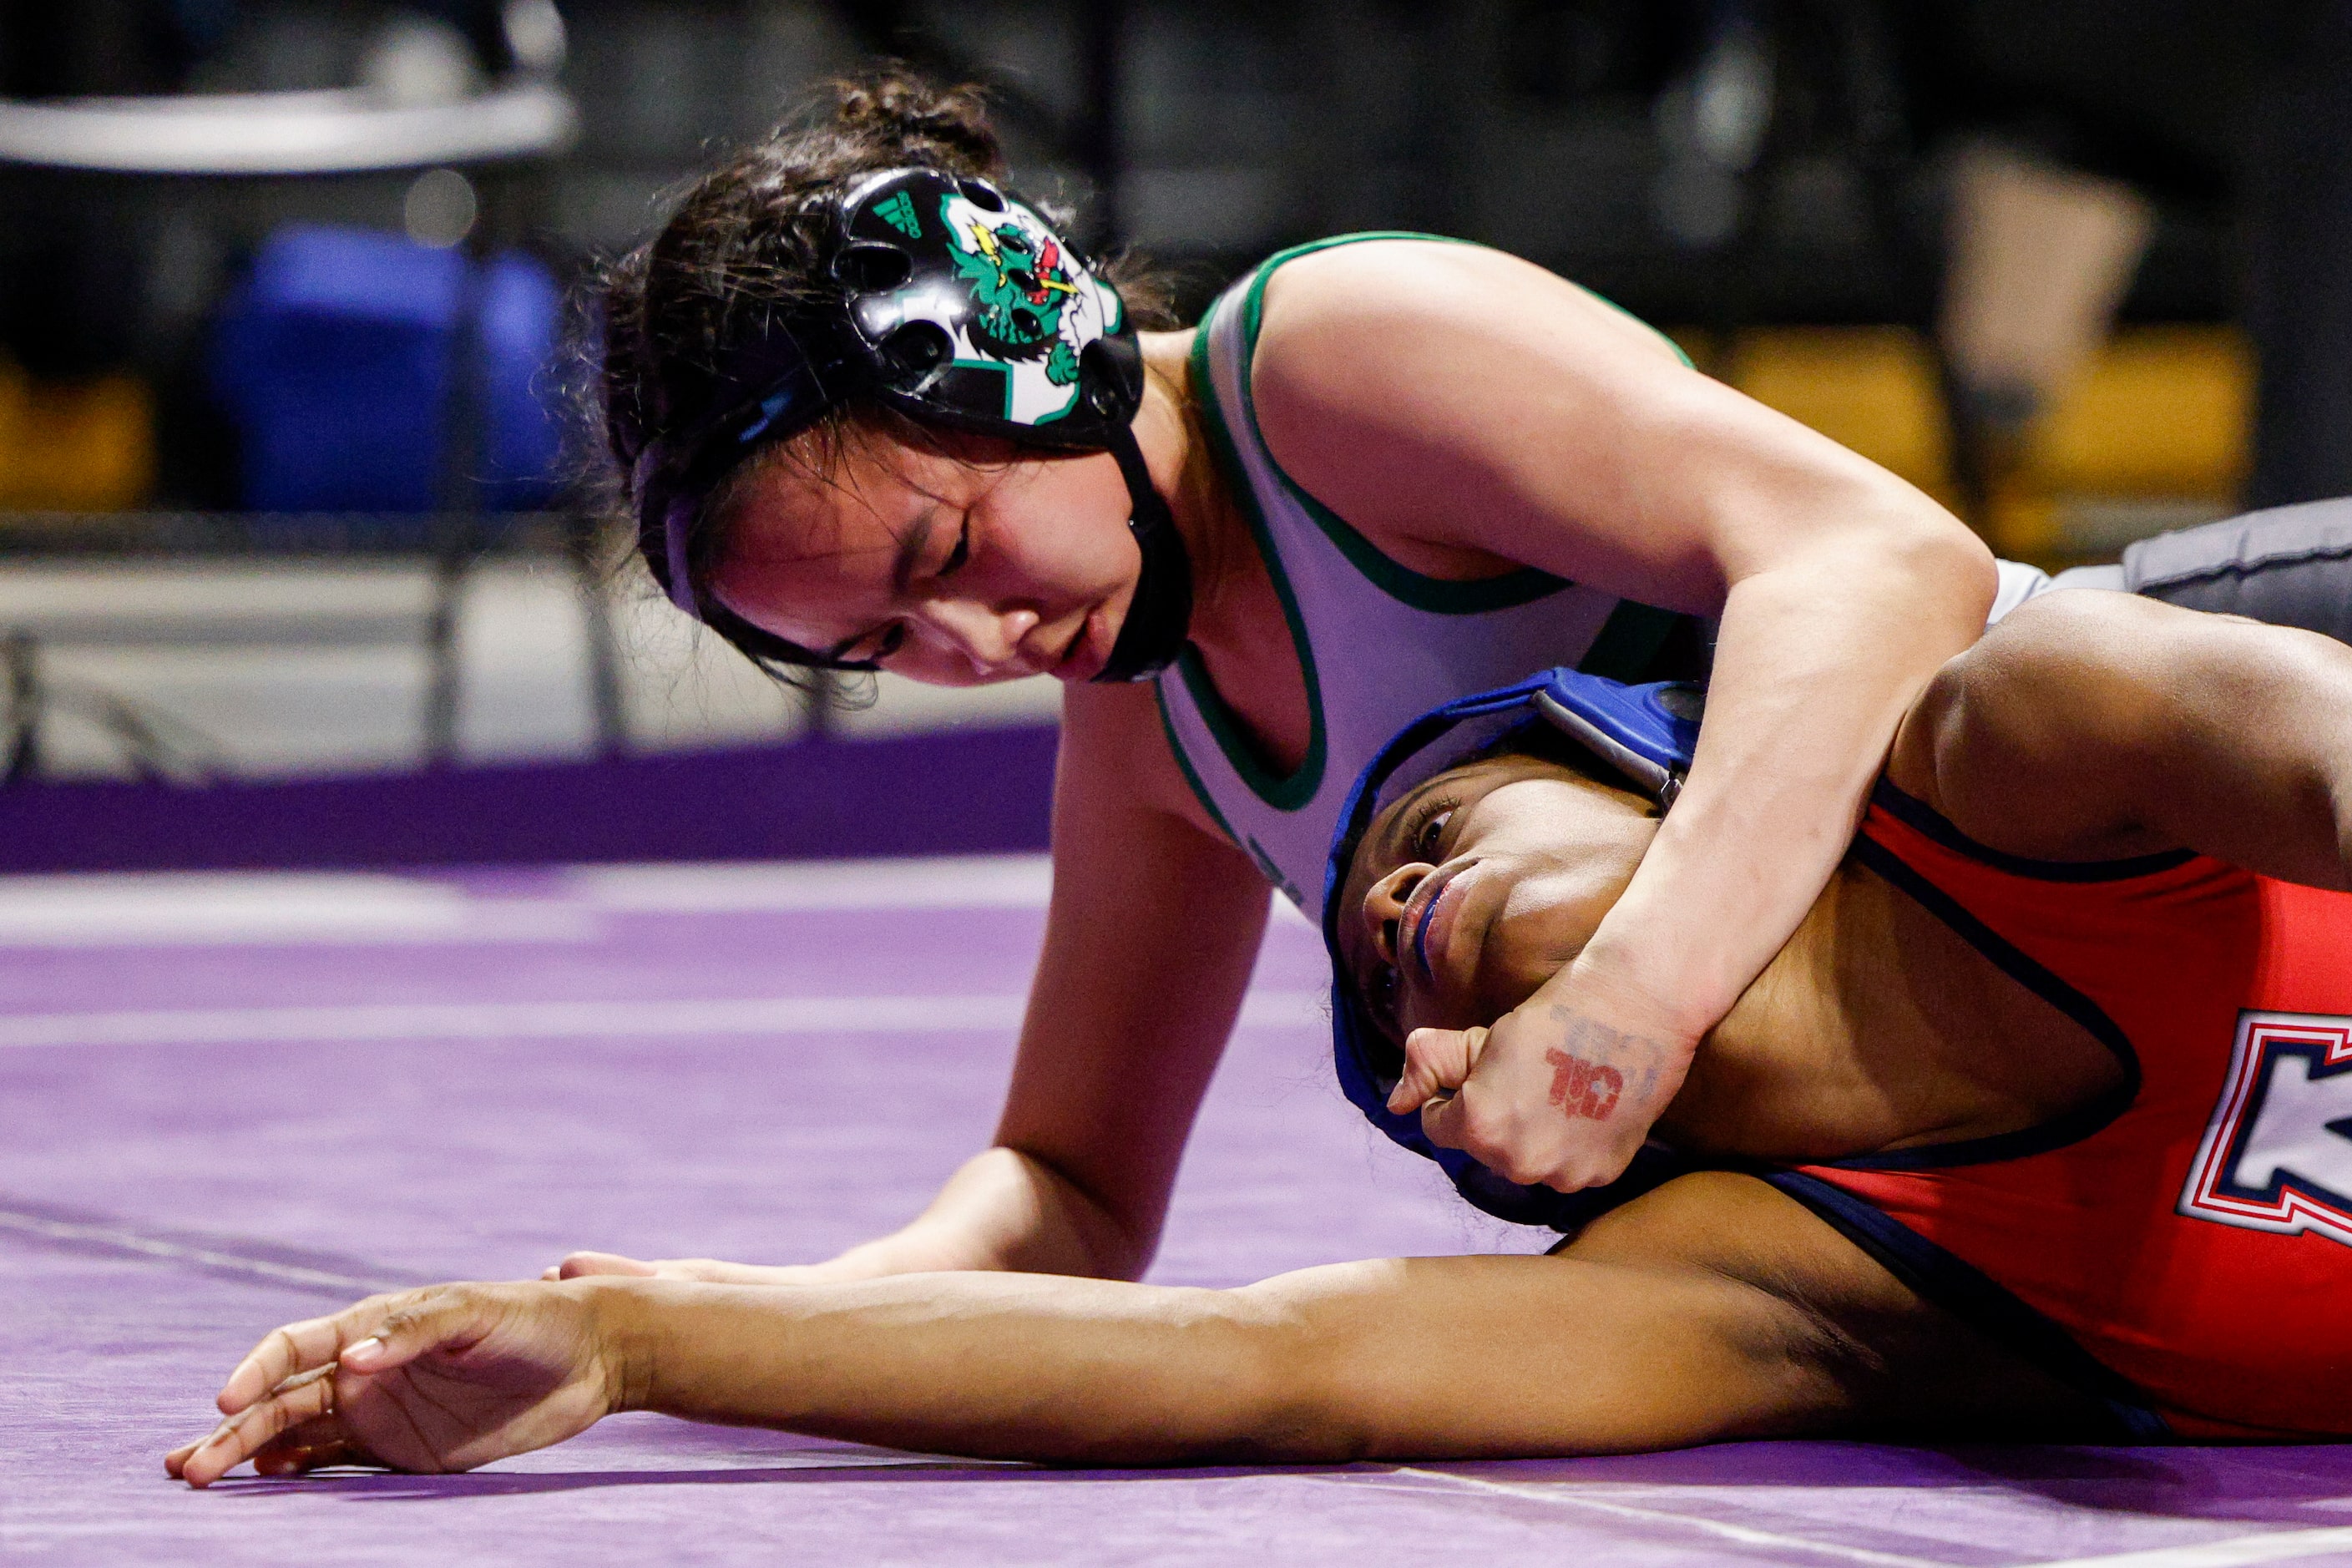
x=294 y=568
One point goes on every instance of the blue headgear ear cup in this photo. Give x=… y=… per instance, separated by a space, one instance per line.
x=1648 y=734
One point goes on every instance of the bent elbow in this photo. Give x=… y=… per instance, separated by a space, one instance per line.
x=1907 y=548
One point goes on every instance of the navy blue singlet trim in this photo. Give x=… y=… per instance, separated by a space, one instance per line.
x=1915 y=813
x=1976 y=1299
x=2072 y=1126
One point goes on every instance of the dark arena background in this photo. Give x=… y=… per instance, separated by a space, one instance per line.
x=394 y=888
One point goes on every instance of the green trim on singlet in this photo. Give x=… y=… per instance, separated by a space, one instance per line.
x=1435 y=596
x=1282 y=793
x=1184 y=765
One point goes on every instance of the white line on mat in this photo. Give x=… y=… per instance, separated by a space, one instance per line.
x=572 y=1020
x=2278 y=1546
x=1723 y=1529
x=119 y=1240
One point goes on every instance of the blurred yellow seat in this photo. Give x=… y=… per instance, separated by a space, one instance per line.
x=2153 y=434
x=2163 y=411
x=75 y=445
x=1871 y=389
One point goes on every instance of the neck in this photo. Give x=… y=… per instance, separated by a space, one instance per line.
x=1183 y=469
x=1238 y=626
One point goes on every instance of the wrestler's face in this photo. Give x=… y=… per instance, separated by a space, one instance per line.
x=976 y=562
x=1470 y=891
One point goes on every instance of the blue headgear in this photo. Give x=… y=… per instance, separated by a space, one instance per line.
x=1645 y=732
x=956 y=304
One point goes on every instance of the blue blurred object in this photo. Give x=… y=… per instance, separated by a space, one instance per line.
x=333 y=358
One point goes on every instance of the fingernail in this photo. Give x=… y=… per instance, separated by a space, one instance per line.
x=366 y=1349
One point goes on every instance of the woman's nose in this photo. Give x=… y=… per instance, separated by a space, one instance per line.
x=990 y=639
x=1384 y=907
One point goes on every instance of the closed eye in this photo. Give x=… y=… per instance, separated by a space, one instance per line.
x=959 y=554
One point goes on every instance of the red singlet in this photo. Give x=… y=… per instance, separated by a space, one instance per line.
x=2185 y=1245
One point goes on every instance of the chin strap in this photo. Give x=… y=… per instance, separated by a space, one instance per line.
x=1159 y=612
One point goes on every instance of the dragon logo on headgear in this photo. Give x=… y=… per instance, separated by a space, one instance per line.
x=1036 y=306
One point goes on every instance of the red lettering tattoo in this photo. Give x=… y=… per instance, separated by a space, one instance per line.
x=1581 y=1087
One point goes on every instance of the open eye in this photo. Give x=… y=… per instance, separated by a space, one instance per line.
x=1428 y=833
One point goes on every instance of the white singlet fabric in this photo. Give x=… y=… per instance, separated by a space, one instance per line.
x=1377 y=645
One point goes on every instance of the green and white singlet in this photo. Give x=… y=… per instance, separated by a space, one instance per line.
x=1377 y=645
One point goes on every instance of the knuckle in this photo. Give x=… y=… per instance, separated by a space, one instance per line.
x=1523 y=1173
x=1487 y=1129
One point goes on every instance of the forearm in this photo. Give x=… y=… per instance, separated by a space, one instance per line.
x=1422 y=1357
x=1818 y=658
x=996 y=1365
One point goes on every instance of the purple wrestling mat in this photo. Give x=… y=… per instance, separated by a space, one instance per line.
x=232 y=1101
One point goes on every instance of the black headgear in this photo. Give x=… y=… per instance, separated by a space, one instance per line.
x=957 y=306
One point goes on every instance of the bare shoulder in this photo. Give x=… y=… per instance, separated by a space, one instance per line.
x=1439 y=395
x=2043 y=739
x=1742 y=1228
x=1410 y=283
x=2048 y=667
x=1798 y=1285
x=1379 y=320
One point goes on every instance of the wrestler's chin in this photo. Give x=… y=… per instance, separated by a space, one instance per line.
x=1539 y=924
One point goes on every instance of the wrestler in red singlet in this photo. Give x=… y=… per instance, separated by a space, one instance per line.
x=2192 y=1231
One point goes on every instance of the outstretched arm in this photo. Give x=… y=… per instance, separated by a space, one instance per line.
x=1714 y=1307
x=1678 y=1321
x=2098 y=726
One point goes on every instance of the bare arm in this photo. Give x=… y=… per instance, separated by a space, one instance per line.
x=1714 y=1307
x=1471 y=412
x=2098 y=726
x=1153 y=927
